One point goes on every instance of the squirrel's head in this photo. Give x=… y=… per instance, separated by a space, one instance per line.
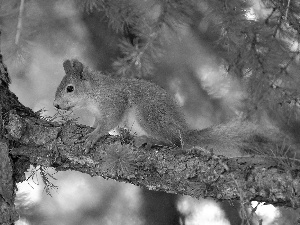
x=72 y=89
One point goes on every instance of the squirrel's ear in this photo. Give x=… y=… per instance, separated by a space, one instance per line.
x=73 y=67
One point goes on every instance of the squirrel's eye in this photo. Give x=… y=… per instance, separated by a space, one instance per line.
x=70 y=88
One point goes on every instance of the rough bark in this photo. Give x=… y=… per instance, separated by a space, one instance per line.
x=10 y=170
x=26 y=139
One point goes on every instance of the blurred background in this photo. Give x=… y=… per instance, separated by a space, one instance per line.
x=175 y=44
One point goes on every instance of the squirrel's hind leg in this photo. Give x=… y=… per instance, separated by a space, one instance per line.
x=159 y=123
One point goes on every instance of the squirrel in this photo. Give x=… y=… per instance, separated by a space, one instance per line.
x=147 y=109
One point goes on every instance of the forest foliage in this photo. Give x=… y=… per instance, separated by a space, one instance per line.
x=256 y=41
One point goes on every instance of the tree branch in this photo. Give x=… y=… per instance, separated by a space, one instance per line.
x=32 y=140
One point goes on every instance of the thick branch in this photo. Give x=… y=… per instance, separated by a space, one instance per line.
x=197 y=174
x=192 y=172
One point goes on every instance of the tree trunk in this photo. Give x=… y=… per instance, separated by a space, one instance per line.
x=26 y=138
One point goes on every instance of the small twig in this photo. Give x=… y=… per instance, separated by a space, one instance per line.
x=243 y=210
x=19 y=26
x=269 y=16
x=287 y=9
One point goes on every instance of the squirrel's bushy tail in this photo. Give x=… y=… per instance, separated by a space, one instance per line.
x=238 y=138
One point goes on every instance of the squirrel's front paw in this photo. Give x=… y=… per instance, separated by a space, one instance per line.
x=90 y=141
